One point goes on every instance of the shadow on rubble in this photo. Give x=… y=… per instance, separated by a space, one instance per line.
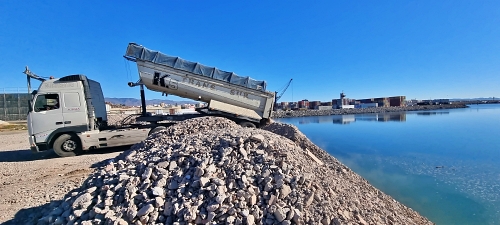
x=107 y=150
x=47 y=213
x=31 y=215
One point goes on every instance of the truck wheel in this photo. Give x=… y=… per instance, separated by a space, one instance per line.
x=156 y=129
x=67 y=145
x=247 y=124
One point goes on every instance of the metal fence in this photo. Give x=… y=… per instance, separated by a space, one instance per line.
x=14 y=104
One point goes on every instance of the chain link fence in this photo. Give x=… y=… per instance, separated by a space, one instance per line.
x=14 y=104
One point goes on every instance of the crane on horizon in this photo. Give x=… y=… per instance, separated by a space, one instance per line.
x=281 y=91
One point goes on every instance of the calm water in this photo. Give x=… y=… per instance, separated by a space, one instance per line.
x=445 y=164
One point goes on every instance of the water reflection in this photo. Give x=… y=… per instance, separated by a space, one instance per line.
x=347 y=119
x=443 y=163
x=431 y=113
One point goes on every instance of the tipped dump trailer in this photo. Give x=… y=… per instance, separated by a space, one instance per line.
x=69 y=116
x=242 y=99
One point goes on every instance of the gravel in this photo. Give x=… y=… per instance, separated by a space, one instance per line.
x=211 y=171
x=33 y=182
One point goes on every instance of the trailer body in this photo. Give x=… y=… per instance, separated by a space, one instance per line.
x=226 y=92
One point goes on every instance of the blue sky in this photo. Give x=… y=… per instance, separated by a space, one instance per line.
x=420 y=49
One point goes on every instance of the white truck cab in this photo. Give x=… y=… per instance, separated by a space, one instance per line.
x=64 y=110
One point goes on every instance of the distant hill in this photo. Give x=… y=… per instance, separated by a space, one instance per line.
x=137 y=102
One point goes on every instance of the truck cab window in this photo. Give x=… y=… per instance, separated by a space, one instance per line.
x=46 y=102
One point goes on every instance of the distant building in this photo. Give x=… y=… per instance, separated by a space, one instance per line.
x=314 y=104
x=397 y=101
x=324 y=107
x=304 y=104
x=385 y=101
x=441 y=101
x=285 y=106
x=342 y=102
x=365 y=105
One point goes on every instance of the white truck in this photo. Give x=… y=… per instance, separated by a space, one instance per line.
x=69 y=116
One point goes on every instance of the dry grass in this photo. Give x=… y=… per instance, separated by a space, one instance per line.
x=11 y=127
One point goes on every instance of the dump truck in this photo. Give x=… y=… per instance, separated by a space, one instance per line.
x=69 y=114
x=239 y=98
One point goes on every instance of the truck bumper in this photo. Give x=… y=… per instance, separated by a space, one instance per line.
x=34 y=149
x=37 y=147
x=33 y=146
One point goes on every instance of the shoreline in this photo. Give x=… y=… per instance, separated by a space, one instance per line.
x=315 y=112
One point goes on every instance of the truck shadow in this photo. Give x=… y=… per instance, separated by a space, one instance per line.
x=25 y=155
x=108 y=150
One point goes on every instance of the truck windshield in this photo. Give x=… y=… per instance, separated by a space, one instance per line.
x=46 y=102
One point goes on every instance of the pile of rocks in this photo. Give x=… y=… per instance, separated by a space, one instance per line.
x=212 y=171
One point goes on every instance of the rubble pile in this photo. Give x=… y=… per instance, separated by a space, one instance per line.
x=212 y=171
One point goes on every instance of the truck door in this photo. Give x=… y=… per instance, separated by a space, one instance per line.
x=46 y=115
x=73 y=111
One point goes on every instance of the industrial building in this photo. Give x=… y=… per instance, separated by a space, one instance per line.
x=434 y=102
x=386 y=101
x=304 y=104
x=345 y=103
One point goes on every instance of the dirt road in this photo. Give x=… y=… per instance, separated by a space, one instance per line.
x=30 y=182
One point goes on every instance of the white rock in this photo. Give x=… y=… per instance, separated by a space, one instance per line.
x=309 y=199
x=285 y=191
x=157 y=191
x=204 y=181
x=279 y=214
x=250 y=220
x=172 y=165
x=145 y=210
x=257 y=137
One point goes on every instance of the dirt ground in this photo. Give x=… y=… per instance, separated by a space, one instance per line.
x=30 y=182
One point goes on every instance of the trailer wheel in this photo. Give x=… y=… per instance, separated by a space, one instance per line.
x=156 y=129
x=67 y=145
x=247 y=124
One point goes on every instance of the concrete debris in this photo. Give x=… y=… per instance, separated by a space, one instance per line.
x=314 y=157
x=212 y=171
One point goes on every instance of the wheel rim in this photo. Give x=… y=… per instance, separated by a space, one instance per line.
x=69 y=146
